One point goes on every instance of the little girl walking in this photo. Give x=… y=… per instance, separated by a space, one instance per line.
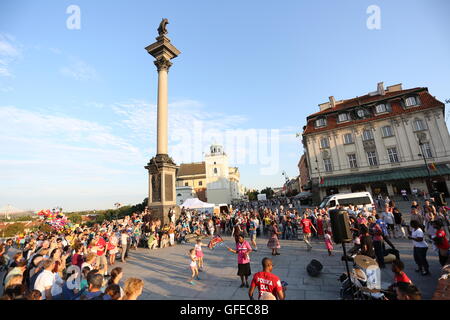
x=199 y=254
x=193 y=266
x=328 y=242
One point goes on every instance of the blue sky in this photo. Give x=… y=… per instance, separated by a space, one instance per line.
x=78 y=106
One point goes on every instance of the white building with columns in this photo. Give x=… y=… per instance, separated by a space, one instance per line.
x=379 y=142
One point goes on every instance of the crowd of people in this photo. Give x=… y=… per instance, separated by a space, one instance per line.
x=75 y=263
x=71 y=264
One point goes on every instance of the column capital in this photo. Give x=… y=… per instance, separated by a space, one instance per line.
x=162 y=64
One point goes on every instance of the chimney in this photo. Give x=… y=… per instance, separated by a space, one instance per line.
x=380 y=88
x=332 y=102
x=394 y=88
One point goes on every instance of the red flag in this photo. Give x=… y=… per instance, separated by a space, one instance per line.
x=432 y=166
x=215 y=241
x=322 y=180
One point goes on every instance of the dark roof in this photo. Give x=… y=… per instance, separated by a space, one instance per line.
x=427 y=101
x=190 y=169
x=366 y=99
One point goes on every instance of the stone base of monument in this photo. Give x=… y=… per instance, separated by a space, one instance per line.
x=162 y=177
x=162 y=212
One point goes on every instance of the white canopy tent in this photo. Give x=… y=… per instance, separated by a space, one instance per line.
x=195 y=203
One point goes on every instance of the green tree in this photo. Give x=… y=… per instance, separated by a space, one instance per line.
x=252 y=195
x=268 y=191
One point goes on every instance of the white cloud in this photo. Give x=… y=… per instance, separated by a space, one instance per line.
x=79 y=70
x=9 y=52
x=60 y=145
x=6 y=89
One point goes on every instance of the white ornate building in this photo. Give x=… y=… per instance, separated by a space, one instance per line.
x=213 y=180
x=378 y=142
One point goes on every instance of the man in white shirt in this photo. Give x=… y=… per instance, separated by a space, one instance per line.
x=46 y=280
x=420 y=248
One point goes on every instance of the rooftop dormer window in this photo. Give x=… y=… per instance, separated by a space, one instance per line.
x=361 y=113
x=342 y=117
x=412 y=101
x=321 y=122
x=381 y=108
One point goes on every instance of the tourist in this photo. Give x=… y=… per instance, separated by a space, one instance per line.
x=171 y=233
x=98 y=246
x=243 y=250
x=199 y=254
x=366 y=242
x=123 y=243
x=420 y=248
x=18 y=270
x=133 y=288
x=46 y=279
x=441 y=242
x=307 y=225
x=404 y=195
x=116 y=276
x=389 y=219
x=95 y=284
x=273 y=242
x=328 y=243
x=113 y=247
x=377 y=237
x=266 y=282
x=193 y=266
x=253 y=227
x=407 y=291
x=398 y=221
x=114 y=292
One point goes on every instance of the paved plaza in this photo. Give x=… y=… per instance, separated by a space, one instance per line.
x=166 y=271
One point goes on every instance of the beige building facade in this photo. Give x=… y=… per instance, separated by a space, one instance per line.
x=379 y=143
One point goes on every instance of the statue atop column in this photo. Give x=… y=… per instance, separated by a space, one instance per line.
x=162 y=29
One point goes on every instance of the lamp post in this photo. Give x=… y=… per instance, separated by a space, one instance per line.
x=422 y=154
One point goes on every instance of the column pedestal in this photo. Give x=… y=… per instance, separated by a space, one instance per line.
x=162 y=177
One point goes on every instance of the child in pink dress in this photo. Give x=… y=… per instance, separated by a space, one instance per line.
x=328 y=242
x=199 y=254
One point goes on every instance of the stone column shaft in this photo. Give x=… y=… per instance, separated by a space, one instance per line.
x=162 y=122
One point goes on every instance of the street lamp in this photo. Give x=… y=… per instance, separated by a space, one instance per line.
x=430 y=181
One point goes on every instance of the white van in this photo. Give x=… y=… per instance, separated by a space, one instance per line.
x=358 y=199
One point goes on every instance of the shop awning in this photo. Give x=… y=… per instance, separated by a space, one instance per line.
x=389 y=175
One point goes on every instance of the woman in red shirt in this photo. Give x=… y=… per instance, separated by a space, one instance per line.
x=441 y=242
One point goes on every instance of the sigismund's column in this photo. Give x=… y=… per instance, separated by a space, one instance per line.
x=161 y=168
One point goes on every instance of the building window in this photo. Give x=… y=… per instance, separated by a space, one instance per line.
x=327 y=164
x=387 y=131
x=361 y=113
x=426 y=150
x=324 y=143
x=372 y=157
x=352 y=160
x=348 y=138
x=380 y=108
x=411 y=101
x=321 y=122
x=367 y=135
x=200 y=183
x=343 y=117
x=419 y=125
x=215 y=171
x=186 y=184
x=392 y=154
